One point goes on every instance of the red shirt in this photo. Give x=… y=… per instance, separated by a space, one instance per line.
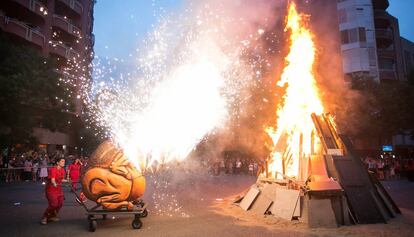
x=74 y=170
x=58 y=175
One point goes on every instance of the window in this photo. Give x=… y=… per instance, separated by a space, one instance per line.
x=344 y=37
x=342 y=17
x=386 y=63
x=362 y=35
x=372 y=57
x=353 y=35
x=408 y=63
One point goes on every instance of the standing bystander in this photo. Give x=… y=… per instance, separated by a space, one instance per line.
x=43 y=168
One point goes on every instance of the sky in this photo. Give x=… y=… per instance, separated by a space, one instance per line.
x=120 y=26
x=403 y=10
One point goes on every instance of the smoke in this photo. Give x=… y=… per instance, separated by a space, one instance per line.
x=258 y=27
x=208 y=81
x=199 y=69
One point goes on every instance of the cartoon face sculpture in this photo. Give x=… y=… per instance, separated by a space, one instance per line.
x=110 y=179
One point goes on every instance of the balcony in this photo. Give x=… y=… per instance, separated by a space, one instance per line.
x=74 y=5
x=384 y=37
x=381 y=19
x=386 y=53
x=23 y=31
x=63 y=24
x=380 y=4
x=61 y=50
x=33 y=5
x=387 y=74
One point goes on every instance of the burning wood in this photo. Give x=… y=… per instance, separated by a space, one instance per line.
x=311 y=167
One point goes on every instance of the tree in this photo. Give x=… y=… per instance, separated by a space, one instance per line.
x=380 y=111
x=30 y=94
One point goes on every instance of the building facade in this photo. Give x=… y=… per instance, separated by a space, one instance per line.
x=408 y=56
x=59 y=29
x=370 y=40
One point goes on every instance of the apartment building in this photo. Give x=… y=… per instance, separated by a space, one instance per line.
x=370 y=40
x=60 y=29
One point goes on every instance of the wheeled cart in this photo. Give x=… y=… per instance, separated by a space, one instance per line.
x=139 y=211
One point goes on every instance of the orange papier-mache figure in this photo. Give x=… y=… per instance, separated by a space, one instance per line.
x=111 y=180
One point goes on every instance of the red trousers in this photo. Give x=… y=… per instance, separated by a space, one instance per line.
x=55 y=201
x=74 y=178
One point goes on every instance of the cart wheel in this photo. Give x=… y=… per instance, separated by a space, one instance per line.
x=144 y=213
x=92 y=225
x=136 y=223
x=104 y=217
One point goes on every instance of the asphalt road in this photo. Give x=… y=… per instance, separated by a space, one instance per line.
x=179 y=205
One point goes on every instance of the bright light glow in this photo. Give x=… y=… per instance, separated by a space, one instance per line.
x=295 y=130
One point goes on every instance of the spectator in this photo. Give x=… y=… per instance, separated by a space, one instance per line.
x=222 y=166
x=410 y=171
x=238 y=166
x=10 y=176
x=18 y=164
x=43 y=168
x=230 y=166
x=251 y=168
x=35 y=169
x=28 y=165
x=397 y=169
x=380 y=168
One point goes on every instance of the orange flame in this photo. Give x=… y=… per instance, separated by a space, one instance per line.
x=294 y=136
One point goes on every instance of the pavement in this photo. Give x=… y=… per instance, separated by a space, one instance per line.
x=187 y=204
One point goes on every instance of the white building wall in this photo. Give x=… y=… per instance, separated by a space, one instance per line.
x=358 y=56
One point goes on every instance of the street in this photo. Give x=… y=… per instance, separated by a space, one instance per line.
x=183 y=205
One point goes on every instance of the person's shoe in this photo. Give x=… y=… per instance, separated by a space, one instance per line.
x=53 y=219
x=43 y=221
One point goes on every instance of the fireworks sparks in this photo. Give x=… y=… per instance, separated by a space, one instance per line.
x=189 y=72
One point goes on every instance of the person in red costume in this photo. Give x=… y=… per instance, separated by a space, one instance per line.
x=54 y=193
x=74 y=172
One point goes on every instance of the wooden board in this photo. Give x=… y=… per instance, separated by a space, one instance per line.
x=321 y=214
x=261 y=204
x=285 y=203
x=249 y=198
x=296 y=213
x=270 y=190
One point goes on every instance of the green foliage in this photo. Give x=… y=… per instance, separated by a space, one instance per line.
x=382 y=109
x=28 y=92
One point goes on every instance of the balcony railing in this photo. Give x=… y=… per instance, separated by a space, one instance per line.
x=386 y=53
x=65 y=25
x=34 y=6
x=62 y=50
x=384 y=34
x=75 y=5
x=22 y=30
x=387 y=74
x=382 y=19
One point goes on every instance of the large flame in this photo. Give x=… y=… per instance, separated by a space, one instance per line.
x=292 y=138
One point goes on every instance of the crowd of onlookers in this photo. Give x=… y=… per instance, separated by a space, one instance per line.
x=390 y=167
x=237 y=166
x=30 y=166
x=33 y=166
